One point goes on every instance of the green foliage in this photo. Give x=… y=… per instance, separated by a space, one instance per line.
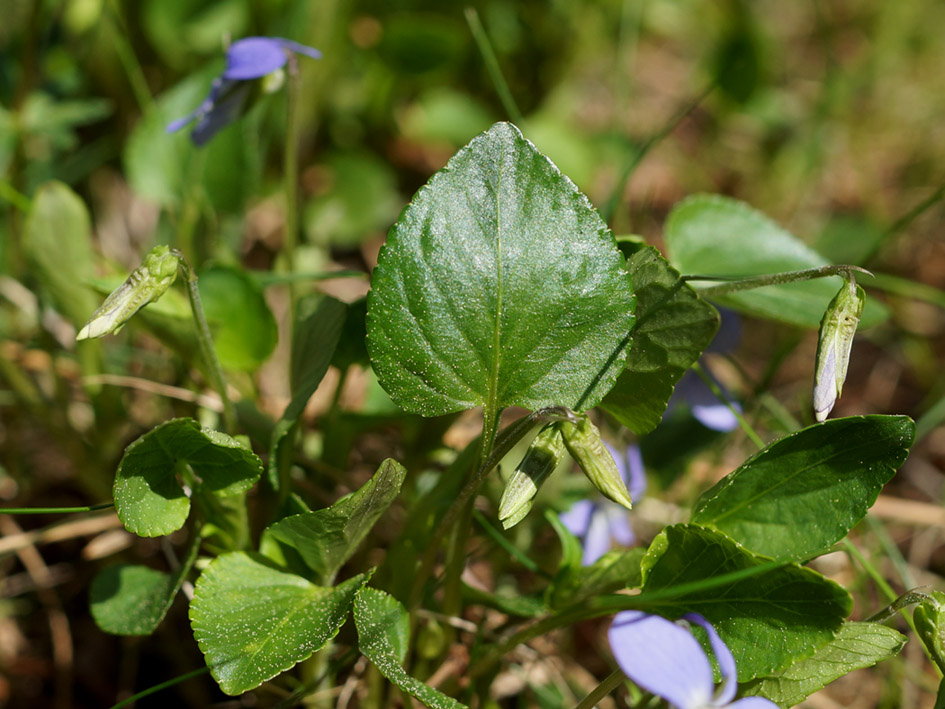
x=770 y=618
x=383 y=636
x=673 y=327
x=57 y=241
x=326 y=539
x=498 y=286
x=129 y=599
x=243 y=328
x=856 y=645
x=615 y=570
x=804 y=492
x=253 y=620
x=711 y=235
x=149 y=495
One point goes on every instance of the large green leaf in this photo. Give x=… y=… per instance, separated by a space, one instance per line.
x=856 y=646
x=711 y=235
x=383 y=636
x=253 y=621
x=768 y=619
x=499 y=285
x=244 y=329
x=673 y=326
x=325 y=539
x=150 y=499
x=57 y=240
x=804 y=492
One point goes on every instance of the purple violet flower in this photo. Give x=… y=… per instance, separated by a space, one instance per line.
x=601 y=522
x=665 y=659
x=246 y=60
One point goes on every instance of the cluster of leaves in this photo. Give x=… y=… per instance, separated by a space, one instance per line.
x=500 y=286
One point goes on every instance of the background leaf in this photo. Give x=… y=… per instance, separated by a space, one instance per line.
x=57 y=240
x=673 y=326
x=318 y=324
x=383 y=635
x=615 y=570
x=253 y=621
x=804 y=492
x=499 y=285
x=130 y=599
x=243 y=328
x=711 y=235
x=148 y=497
x=325 y=539
x=856 y=646
x=767 y=620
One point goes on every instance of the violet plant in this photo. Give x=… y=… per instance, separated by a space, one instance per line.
x=501 y=288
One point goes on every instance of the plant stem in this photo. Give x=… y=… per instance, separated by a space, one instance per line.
x=158 y=687
x=733 y=285
x=608 y=685
x=53 y=510
x=207 y=349
x=714 y=388
x=492 y=66
x=291 y=168
x=607 y=212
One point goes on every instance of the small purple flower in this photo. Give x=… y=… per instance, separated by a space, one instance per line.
x=601 y=522
x=665 y=659
x=247 y=59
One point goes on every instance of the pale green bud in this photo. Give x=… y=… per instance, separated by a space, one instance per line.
x=833 y=347
x=584 y=443
x=541 y=458
x=929 y=620
x=146 y=284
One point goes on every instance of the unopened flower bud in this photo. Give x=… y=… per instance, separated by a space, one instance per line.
x=146 y=284
x=584 y=443
x=837 y=329
x=541 y=458
x=929 y=620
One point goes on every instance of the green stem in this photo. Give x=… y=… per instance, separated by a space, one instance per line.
x=609 y=605
x=9 y=193
x=608 y=685
x=607 y=212
x=207 y=349
x=733 y=285
x=496 y=536
x=291 y=167
x=749 y=431
x=492 y=66
x=53 y=510
x=129 y=61
x=503 y=444
x=158 y=687
x=870 y=569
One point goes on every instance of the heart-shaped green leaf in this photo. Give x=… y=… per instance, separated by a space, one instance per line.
x=856 y=646
x=673 y=326
x=804 y=492
x=253 y=621
x=149 y=498
x=383 y=635
x=711 y=235
x=326 y=539
x=499 y=285
x=768 y=619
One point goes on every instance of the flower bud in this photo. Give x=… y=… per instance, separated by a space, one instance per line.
x=584 y=443
x=837 y=329
x=929 y=620
x=541 y=458
x=146 y=284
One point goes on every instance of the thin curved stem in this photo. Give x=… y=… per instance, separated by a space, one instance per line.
x=733 y=285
